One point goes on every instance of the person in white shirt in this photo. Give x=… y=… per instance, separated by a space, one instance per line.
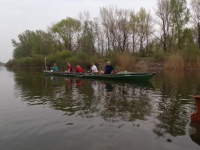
x=93 y=68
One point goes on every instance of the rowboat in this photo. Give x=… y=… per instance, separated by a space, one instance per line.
x=127 y=76
x=50 y=73
x=46 y=72
x=131 y=73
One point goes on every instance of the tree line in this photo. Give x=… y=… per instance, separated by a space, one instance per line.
x=172 y=27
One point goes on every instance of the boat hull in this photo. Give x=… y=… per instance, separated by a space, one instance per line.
x=128 y=77
x=141 y=77
x=49 y=73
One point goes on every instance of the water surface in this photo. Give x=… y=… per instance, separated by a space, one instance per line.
x=40 y=112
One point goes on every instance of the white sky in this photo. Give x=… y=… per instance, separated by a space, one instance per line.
x=16 y=16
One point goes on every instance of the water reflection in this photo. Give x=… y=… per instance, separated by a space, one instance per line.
x=195 y=132
x=109 y=87
x=165 y=103
x=195 y=122
x=54 y=80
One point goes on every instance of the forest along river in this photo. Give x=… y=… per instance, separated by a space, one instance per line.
x=40 y=112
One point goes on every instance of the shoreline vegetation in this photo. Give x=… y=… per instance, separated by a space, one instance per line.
x=2 y=64
x=167 y=38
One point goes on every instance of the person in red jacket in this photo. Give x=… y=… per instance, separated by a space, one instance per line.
x=79 y=69
x=69 y=69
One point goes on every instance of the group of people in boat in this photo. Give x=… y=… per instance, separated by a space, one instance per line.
x=108 y=69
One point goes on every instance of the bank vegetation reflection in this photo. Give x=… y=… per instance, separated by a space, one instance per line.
x=167 y=99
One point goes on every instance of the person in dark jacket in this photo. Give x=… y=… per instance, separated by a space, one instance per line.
x=108 y=68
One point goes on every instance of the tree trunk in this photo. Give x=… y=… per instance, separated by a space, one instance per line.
x=199 y=35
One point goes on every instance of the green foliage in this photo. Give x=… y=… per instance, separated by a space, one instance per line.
x=82 y=59
x=86 y=41
x=50 y=59
x=25 y=62
x=30 y=43
x=63 y=54
x=191 y=52
x=37 y=60
x=142 y=53
x=112 y=57
x=158 y=54
x=75 y=60
x=67 y=30
x=80 y=42
x=179 y=18
x=11 y=63
x=93 y=58
x=119 y=68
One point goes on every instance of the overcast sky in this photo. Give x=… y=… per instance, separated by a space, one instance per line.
x=16 y=16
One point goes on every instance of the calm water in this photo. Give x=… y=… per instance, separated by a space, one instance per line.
x=54 y=113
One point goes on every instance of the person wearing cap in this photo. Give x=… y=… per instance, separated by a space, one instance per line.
x=108 y=69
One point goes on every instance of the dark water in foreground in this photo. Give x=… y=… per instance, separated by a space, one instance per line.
x=56 y=113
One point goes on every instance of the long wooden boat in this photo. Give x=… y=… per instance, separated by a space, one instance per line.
x=127 y=77
x=133 y=76
x=50 y=73
x=131 y=73
x=46 y=72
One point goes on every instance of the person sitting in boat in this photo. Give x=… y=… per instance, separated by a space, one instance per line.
x=70 y=68
x=108 y=69
x=93 y=68
x=79 y=69
x=54 y=68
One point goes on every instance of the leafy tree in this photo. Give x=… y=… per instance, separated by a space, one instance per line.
x=30 y=43
x=179 y=18
x=132 y=27
x=144 y=28
x=25 y=44
x=87 y=37
x=68 y=29
x=195 y=8
x=163 y=14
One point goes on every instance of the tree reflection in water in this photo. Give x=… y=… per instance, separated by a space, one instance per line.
x=195 y=122
x=195 y=132
x=168 y=103
x=89 y=98
x=175 y=103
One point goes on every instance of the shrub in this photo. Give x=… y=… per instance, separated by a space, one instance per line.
x=63 y=54
x=91 y=59
x=175 y=61
x=37 y=60
x=158 y=55
x=126 y=60
x=112 y=57
x=11 y=63
x=50 y=59
x=25 y=62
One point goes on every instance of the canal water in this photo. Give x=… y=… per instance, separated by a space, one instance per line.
x=40 y=112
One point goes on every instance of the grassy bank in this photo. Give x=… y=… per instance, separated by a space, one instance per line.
x=120 y=60
x=2 y=64
x=182 y=61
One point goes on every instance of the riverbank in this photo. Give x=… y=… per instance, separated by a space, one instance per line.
x=90 y=114
x=2 y=64
x=130 y=63
x=140 y=64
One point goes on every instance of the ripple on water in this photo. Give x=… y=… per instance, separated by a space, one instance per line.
x=98 y=115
